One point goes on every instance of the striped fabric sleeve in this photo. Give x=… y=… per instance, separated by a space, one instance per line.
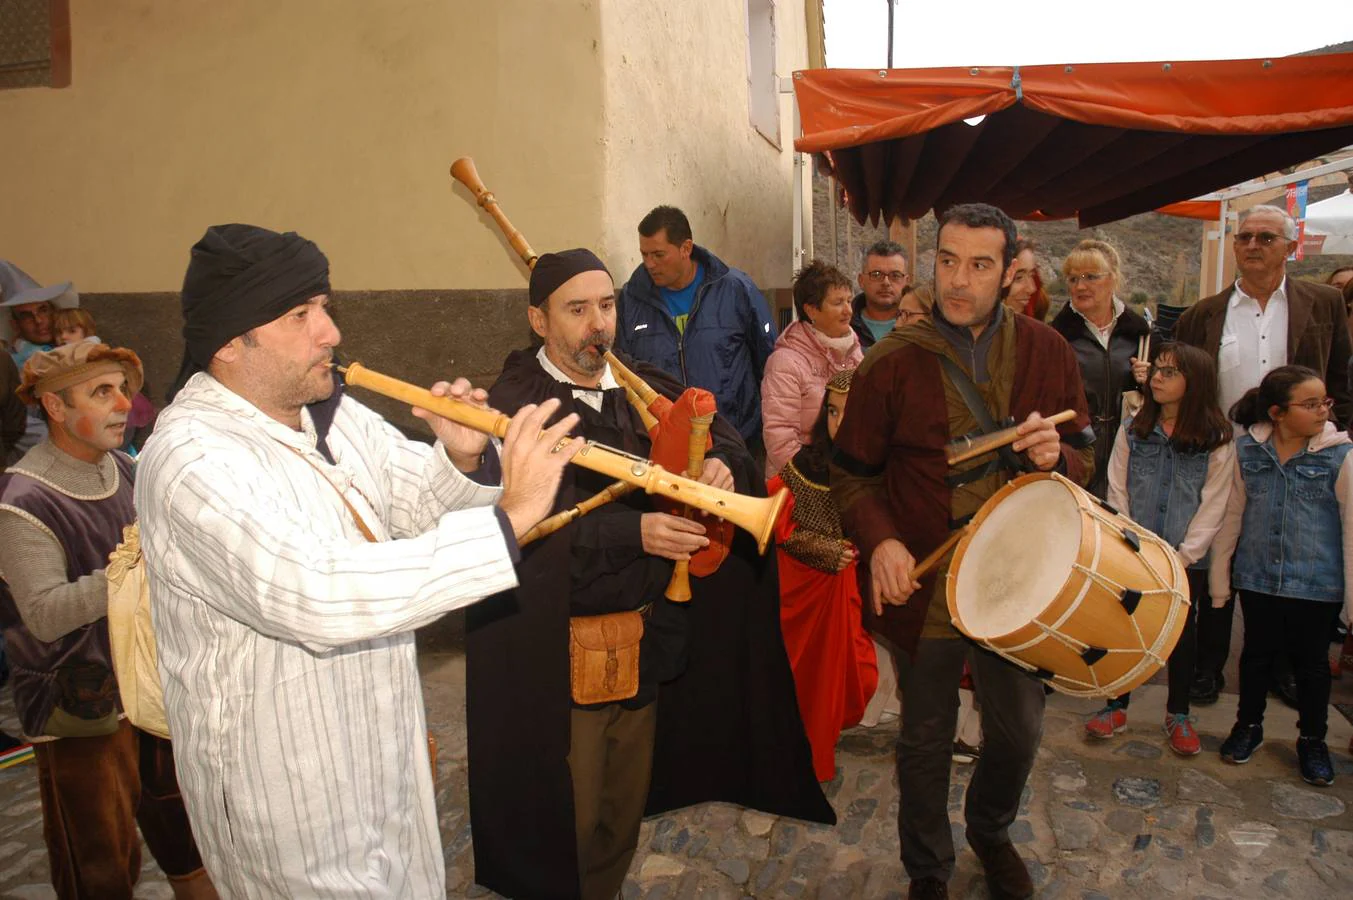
x=263 y=563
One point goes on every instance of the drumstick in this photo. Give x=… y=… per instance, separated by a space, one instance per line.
x=965 y=449
x=924 y=567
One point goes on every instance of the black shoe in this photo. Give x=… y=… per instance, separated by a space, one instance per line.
x=1007 y=875
x=928 y=889
x=1240 y=745
x=1206 y=688
x=1285 y=689
x=1313 y=758
x=8 y=743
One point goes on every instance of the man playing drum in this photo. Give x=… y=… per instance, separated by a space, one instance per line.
x=900 y=501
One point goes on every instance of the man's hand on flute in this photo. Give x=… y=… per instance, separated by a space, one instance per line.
x=890 y=569
x=717 y=474
x=671 y=537
x=464 y=446
x=533 y=463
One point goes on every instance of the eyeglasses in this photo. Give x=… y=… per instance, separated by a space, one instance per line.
x=879 y=275
x=906 y=315
x=1265 y=238
x=1166 y=372
x=1314 y=406
x=1088 y=278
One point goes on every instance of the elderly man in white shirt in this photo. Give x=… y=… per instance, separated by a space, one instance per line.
x=1265 y=320
x=294 y=542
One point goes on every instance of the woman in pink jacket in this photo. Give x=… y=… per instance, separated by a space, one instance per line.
x=808 y=353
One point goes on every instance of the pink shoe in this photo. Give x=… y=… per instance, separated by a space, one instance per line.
x=1109 y=721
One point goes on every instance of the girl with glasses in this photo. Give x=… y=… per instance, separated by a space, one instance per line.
x=1171 y=472
x=1285 y=546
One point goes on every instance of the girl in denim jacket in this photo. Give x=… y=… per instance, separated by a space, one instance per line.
x=1284 y=545
x=1171 y=472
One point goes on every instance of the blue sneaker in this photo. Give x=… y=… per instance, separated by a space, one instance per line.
x=1240 y=745
x=1313 y=758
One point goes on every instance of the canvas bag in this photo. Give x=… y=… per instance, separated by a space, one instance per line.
x=132 y=636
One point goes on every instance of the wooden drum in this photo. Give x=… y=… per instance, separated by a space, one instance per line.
x=1054 y=581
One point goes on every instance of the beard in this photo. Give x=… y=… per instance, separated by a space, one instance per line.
x=965 y=309
x=589 y=355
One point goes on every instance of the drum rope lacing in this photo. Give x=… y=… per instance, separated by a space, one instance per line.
x=1152 y=653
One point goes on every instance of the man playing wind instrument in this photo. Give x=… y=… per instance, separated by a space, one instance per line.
x=557 y=784
x=294 y=541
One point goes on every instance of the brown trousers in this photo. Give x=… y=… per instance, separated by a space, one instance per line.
x=610 y=760
x=94 y=792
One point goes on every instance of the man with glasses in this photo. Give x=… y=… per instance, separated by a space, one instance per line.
x=883 y=279
x=1263 y=321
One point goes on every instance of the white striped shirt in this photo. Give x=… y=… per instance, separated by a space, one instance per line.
x=286 y=641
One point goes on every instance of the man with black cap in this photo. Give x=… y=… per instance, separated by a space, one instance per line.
x=62 y=511
x=293 y=543
x=700 y=727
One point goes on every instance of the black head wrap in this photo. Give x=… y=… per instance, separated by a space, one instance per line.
x=240 y=277
x=553 y=269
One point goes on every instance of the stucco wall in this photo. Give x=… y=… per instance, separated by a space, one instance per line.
x=335 y=118
x=676 y=131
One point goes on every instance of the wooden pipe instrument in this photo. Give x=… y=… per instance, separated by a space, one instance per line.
x=654 y=409
x=464 y=171
x=966 y=448
x=755 y=515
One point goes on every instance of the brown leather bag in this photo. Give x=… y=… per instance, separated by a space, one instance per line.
x=603 y=655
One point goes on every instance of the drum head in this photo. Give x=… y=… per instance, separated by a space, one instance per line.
x=1018 y=560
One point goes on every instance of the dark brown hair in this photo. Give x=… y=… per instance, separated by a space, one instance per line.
x=811 y=285
x=1201 y=427
x=1275 y=390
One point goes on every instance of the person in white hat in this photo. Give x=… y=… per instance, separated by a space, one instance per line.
x=26 y=328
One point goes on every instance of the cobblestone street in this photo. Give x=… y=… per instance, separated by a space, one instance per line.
x=1122 y=818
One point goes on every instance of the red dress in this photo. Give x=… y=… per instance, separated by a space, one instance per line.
x=835 y=670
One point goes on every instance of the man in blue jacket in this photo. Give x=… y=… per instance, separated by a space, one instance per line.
x=702 y=321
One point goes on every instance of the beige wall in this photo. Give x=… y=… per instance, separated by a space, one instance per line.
x=676 y=131
x=335 y=118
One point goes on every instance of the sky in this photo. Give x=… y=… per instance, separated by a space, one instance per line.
x=933 y=33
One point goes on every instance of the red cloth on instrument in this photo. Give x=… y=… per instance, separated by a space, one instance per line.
x=830 y=653
x=671 y=450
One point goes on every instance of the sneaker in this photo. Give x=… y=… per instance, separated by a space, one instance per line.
x=1240 y=745
x=1109 y=721
x=966 y=753
x=1183 y=738
x=928 y=889
x=1206 y=688
x=1313 y=758
x=8 y=743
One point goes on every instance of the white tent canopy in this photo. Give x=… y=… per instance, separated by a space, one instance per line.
x=1329 y=226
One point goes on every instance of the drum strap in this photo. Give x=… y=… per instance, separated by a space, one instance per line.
x=972 y=398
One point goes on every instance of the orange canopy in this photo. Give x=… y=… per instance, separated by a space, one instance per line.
x=1100 y=141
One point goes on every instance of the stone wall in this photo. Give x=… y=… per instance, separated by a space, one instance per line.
x=416 y=336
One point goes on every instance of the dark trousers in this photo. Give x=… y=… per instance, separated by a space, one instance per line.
x=1183 y=659
x=610 y=761
x=1012 y=726
x=1214 y=634
x=1299 y=630
x=95 y=791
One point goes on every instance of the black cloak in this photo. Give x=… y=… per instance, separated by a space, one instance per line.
x=728 y=726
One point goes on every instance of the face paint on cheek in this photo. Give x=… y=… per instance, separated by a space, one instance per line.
x=83 y=428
